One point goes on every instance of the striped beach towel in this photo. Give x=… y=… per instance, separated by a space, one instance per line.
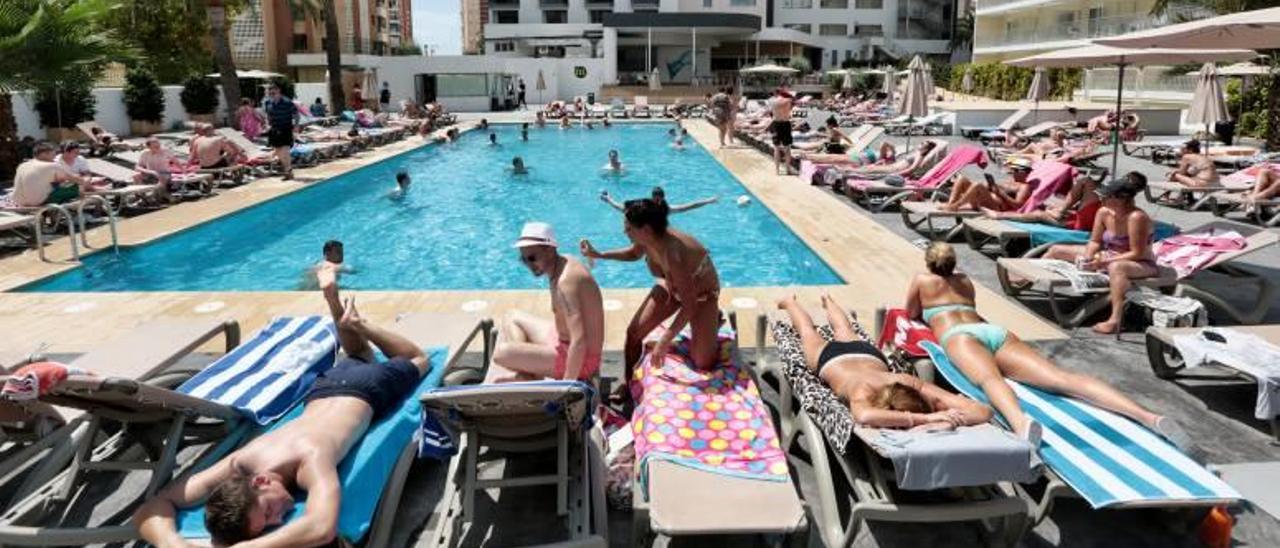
x=265 y=376
x=1109 y=460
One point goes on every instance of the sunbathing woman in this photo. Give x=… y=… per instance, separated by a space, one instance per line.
x=1194 y=169
x=1056 y=142
x=987 y=353
x=1265 y=187
x=686 y=284
x=1120 y=243
x=969 y=195
x=897 y=165
x=857 y=373
x=1076 y=212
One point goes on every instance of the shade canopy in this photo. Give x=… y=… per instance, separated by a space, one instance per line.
x=915 y=100
x=1208 y=106
x=966 y=83
x=1039 y=89
x=250 y=74
x=1258 y=29
x=1238 y=69
x=768 y=69
x=1086 y=56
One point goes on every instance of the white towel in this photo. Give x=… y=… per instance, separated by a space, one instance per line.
x=1242 y=351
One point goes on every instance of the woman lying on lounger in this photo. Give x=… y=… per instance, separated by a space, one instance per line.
x=1076 y=212
x=1120 y=243
x=1265 y=187
x=857 y=373
x=968 y=195
x=896 y=165
x=987 y=353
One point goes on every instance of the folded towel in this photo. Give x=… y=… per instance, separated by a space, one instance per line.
x=1048 y=234
x=969 y=456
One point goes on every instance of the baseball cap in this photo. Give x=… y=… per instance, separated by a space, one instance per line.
x=1121 y=186
x=536 y=234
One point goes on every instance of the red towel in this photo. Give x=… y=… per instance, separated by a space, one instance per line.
x=904 y=333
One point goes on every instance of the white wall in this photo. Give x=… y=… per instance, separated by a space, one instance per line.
x=562 y=83
x=110 y=112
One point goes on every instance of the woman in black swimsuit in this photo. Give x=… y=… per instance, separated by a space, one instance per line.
x=857 y=372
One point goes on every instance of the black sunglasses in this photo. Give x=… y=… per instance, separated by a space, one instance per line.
x=529 y=259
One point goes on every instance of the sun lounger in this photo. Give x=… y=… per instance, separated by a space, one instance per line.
x=374 y=470
x=146 y=425
x=640 y=108
x=1010 y=122
x=1168 y=364
x=88 y=127
x=932 y=124
x=1049 y=176
x=878 y=196
x=120 y=175
x=512 y=419
x=1024 y=277
x=1173 y=193
x=821 y=425
x=682 y=488
x=24 y=226
x=1028 y=240
x=1108 y=460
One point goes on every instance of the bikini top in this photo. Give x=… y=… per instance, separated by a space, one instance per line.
x=931 y=312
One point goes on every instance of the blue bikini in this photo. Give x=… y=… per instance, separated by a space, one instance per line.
x=990 y=335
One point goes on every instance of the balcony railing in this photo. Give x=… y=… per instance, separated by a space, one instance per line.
x=1139 y=83
x=796 y=4
x=1084 y=29
x=553 y=3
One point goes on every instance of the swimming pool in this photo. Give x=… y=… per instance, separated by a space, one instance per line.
x=455 y=227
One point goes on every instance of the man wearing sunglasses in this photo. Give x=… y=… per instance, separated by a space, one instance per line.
x=531 y=348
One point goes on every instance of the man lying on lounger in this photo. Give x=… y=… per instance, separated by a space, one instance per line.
x=248 y=492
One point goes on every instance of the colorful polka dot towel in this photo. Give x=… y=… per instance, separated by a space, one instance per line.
x=712 y=420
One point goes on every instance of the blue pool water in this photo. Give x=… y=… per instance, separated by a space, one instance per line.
x=454 y=229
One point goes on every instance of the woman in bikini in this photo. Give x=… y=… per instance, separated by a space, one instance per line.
x=686 y=284
x=987 y=353
x=857 y=373
x=1194 y=169
x=1120 y=243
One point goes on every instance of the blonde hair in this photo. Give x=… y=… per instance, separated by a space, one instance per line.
x=900 y=397
x=940 y=258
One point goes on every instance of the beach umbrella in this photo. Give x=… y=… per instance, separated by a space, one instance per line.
x=1258 y=29
x=1238 y=69
x=915 y=100
x=966 y=83
x=655 y=79
x=1089 y=56
x=1039 y=90
x=890 y=86
x=769 y=68
x=1208 y=106
x=928 y=80
x=540 y=85
x=848 y=81
x=250 y=75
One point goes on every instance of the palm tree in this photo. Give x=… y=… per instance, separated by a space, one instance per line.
x=43 y=43
x=326 y=12
x=217 y=10
x=962 y=34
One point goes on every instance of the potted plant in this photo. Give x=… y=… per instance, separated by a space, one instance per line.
x=144 y=102
x=63 y=106
x=200 y=98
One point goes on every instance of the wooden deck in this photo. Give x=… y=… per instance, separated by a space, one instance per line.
x=875 y=263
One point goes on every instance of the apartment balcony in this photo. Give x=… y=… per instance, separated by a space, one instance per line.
x=1063 y=35
x=553 y=3
x=644 y=4
x=599 y=3
x=504 y=3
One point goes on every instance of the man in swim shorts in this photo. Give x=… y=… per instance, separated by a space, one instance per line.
x=781 y=105
x=249 y=491
x=570 y=348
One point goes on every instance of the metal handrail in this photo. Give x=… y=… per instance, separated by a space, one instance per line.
x=71 y=229
x=111 y=220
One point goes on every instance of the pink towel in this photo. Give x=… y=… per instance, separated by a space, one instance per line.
x=807 y=170
x=1049 y=177
x=1245 y=178
x=955 y=161
x=1188 y=253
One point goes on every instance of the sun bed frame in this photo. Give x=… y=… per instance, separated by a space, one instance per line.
x=1002 y=513
x=1167 y=364
x=1265 y=212
x=1058 y=288
x=898 y=195
x=1010 y=122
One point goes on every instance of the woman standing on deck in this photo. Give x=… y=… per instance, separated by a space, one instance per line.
x=988 y=354
x=686 y=284
x=251 y=121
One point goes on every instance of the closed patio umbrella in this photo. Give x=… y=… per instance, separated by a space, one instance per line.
x=540 y=85
x=1039 y=90
x=1087 y=56
x=915 y=100
x=1208 y=106
x=890 y=85
x=848 y=81
x=655 y=79
x=966 y=83
x=928 y=80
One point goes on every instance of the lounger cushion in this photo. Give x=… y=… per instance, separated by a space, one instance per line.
x=1048 y=234
x=366 y=469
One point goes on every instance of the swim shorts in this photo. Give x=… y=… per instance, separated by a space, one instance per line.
x=781 y=133
x=280 y=136
x=381 y=385
x=590 y=363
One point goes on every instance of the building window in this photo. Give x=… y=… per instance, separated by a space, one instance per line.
x=925 y=19
x=833 y=30
x=869 y=4
x=706 y=3
x=462 y=85
x=835 y=56
x=596 y=16
x=503 y=47
x=741 y=3
x=299 y=42
x=802 y=27
x=506 y=17
x=797 y=4
x=834 y=4
x=555 y=16
x=868 y=30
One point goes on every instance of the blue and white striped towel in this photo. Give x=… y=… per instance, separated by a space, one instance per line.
x=439 y=432
x=265 y=376
x=1108 y=459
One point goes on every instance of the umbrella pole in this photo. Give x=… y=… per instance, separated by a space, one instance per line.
x=1115 y=130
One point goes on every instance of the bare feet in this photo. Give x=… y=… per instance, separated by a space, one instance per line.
x=1106 y=328
x=990 y=213
x=948 y=207
x=786 y=302
x=1172 y=431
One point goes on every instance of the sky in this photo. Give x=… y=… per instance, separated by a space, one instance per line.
x=438 y=24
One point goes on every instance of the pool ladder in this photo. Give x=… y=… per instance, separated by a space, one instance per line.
x=73 y=223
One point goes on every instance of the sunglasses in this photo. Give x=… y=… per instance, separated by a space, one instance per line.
x=529 y=258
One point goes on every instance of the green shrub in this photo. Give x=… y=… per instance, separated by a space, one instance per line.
x=1006 y=83
x=1250 y=107
x=801 y=64
x=66 y=105
x=199 y=95
x=143 y=98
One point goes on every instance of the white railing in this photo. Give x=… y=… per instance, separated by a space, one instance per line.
x=1084 y=29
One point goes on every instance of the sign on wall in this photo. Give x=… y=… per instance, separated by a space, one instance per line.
x=580 y=71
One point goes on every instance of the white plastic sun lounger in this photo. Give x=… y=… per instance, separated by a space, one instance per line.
x=1108 y=460
x=1010 y=122
x=815 y=420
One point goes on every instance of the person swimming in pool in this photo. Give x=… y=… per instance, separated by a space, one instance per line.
x=493 y=139
x=857 y=372
x=678 y=144
x=332 y=262
x=606 y=123
x=251 y=490
x=402 y=186
x=615 y=163
x=660 y=196
x=524 y=132
x=988 y=354
x=565 y=123
x=540 y=120
x=518 y=167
